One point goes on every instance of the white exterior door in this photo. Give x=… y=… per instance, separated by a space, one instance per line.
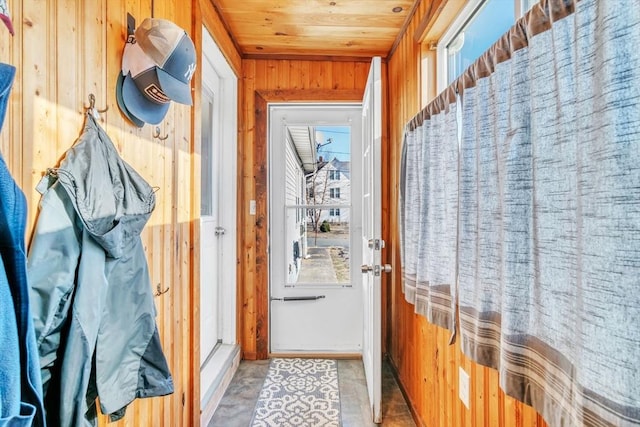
x=372 y=242
x=315 y=278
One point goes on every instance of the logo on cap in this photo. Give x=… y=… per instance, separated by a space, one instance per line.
x=190 y=71
x=155 y=93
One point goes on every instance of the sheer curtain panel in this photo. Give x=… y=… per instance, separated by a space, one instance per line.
x=429 y=209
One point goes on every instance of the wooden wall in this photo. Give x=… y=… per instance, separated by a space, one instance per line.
x=64 y=50
x=427 y=366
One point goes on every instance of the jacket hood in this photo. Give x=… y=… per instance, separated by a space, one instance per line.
x=113 y=201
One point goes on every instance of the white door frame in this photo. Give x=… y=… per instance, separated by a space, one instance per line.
x=226 y=97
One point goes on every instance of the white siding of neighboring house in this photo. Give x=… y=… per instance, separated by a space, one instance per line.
x=324 y=183
x=295 y=219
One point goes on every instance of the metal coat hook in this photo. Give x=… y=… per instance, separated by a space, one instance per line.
x=156 y=134
x=159 y=290
x=92 y=107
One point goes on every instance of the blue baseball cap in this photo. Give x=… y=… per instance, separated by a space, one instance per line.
x=173 y=52
x=123 y=107
x=139 y=88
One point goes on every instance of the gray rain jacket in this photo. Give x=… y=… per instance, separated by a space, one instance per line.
x=91 y=296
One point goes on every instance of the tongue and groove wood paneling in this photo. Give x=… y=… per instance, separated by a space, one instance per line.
x=357 y=28
x=63 y=51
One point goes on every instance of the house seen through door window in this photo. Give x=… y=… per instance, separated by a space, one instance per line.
x=320 y=237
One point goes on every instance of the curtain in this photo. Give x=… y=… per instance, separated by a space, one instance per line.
x=550 y=219
x=548 y=224
x=429 y=205
x=493 y=136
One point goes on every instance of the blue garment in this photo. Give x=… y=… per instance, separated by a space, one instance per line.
x=91 y=294
x=20 y=381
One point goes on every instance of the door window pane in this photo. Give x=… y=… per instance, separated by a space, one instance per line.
x=206 y=158
x=317 y=255
x=317 y=230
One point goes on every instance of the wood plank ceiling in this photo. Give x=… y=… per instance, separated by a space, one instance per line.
x=315 y=28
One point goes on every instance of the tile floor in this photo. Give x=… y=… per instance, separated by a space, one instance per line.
x=236 y=407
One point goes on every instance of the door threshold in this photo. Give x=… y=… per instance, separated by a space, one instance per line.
x=222 y=365
x=310 y=355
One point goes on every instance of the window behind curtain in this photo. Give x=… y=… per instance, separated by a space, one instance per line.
x=490 y=20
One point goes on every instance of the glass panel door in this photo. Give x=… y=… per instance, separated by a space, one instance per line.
x=316 y=303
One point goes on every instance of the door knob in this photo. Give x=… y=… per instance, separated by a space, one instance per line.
x=220 y=231
x=376 y=269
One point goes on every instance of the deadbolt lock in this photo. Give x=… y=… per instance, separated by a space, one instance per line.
x=376 y=244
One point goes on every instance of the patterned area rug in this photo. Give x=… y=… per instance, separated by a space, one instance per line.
x=299 y=393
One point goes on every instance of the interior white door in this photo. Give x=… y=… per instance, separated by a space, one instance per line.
x=372 y=242
x=218 y=230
